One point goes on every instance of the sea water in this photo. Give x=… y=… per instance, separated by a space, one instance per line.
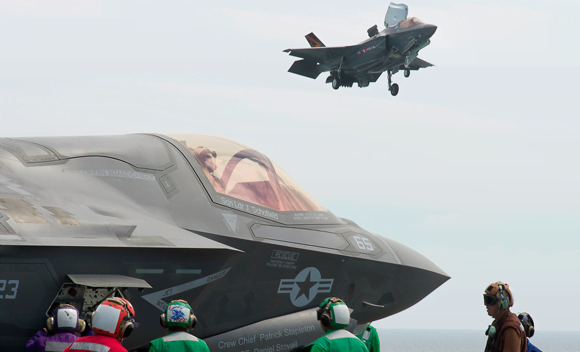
x=395 y=340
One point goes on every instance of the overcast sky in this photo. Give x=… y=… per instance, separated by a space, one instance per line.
x=474 y=164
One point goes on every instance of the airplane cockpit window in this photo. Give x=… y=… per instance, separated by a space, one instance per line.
x=237 y=170
x=409 y=22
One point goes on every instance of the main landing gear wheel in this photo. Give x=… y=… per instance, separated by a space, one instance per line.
x=335 y=83
x=407 y=73
x=393 y=87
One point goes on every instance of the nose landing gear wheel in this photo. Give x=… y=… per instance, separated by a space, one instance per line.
x=407 y=73
x=335 y=83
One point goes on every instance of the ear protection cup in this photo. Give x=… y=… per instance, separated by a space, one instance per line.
x=490 y=331
x=126 y=328
x=505 y=300
x=504 y=304
x=323 y=312
x=531 y=331
x=193 y=321
x=82 y=325
x=325 y=319
x=50 y=324
x=162 y=321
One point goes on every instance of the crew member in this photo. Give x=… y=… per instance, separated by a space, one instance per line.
x=112 y=322
x=178 y=319
x=59 y=332
x=370 y=337
x=334 y=317
x=528 y=324
x=505 y=334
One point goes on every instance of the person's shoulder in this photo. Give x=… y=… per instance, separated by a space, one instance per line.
x=317 y=348
x=321 y=341
x=85 y=338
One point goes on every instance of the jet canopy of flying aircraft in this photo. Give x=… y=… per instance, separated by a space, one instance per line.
x=393 y=49
x=154 y=218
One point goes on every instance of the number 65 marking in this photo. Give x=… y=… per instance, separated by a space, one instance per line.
x=363 y=243
x=14 y=288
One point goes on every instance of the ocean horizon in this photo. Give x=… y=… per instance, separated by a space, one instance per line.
x=424 y=340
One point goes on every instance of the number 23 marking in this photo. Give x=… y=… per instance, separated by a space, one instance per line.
x=14 y=288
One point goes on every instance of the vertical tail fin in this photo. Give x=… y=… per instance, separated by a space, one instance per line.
x=314 y=41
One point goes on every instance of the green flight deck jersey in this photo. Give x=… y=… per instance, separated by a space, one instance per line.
x=179 y=341
x=337 y=341
x=370 y=337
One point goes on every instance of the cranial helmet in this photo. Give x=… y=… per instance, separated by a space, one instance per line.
x=498 y=292
x=527 y=323
x=114 y=317
x=65 y=318
x=333 y=313
x=178 y=314
x=205 y=157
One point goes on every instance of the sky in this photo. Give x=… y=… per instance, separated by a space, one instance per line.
x=474 y=164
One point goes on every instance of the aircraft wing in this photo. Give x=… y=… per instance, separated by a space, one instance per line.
x=320 y=54
x=418 y=63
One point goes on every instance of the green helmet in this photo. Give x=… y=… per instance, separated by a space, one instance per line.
x=333 y=313
x=178 y=314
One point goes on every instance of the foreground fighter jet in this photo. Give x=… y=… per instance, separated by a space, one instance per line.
x=154 y=218
x=394 y=48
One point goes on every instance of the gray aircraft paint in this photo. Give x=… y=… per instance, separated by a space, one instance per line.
x=118 y=217
x=394 y=48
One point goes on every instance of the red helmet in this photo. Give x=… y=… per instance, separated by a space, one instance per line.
x=114 y=317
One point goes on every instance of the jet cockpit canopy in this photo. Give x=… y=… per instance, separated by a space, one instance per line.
x=238 y=171
x=409 y=22
x=395 y=14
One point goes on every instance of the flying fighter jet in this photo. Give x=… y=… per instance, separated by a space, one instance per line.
x=153 y=218
x=394 y=48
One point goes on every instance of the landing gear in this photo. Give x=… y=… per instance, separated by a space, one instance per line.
x=407 y=72
x=393 y=87
x=335 y=82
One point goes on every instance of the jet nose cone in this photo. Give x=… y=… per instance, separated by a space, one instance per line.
x=404 y=278
x=429 y=30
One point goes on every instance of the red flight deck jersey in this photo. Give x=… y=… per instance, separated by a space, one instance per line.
x=96 y=343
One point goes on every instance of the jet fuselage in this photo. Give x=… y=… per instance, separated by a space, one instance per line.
x=193 y=217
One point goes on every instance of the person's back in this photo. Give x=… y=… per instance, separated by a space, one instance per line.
x=334 y=318
x=370 y=338
x=179 y=341
x=338 y=341
x=96 y=343
x=112 y=322
x=43 y=341
x=178 y=318
x=60 y=331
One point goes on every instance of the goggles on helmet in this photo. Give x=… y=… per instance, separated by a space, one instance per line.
x=490 y=300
